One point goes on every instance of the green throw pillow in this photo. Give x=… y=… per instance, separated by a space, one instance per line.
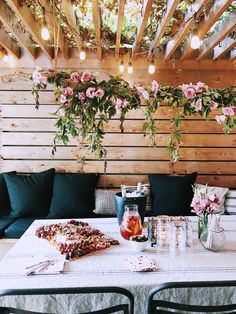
x=4 y=197
x=73 y=195
x=172 y=195
x=30 y=195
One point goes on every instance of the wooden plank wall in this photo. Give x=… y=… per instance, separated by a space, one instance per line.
x=27 y=135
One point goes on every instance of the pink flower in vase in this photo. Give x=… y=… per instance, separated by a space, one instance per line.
x=190 y=93
x=155 y=86
x=75 y=77
x=90 y=92
x=99 y=93
x=199 y=87
x=213 y=105
x=228 y=111
x=86 y=76
x=220 y=119
x=67 y=91
x=63 y=99
x=198 y=104
x=145 y=94
x=81 y=96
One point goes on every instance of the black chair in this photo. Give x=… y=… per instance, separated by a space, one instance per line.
x=126 y=308
x=158 y=304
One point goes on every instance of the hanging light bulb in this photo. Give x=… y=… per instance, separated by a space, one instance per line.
x=6 y=58
x=130 y=68
x=82 y=55
x=195 y=42
x=122 y=66
x=44 y=31
x=151 y=68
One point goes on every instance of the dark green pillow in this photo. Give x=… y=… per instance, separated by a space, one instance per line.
x=30 y=195
x=4 y=197
x=172 y=195
x=73 y=195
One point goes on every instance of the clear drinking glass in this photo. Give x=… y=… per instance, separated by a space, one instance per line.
x=162 y=230
x=177 y=236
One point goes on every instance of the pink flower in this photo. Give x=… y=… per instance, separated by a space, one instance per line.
x=185 y=87
x=67 y=91
x=63 y=99
x=125 y=103
x=90 y=92
x=228 y=111
x=140 y=89
x=198 y=104
x=145 y=94
x=81 y=96
x=213 y=105
x=38 y=78
x=220 y=119
x=86 y=76
x=155 y=86
x=99 y=93
x=61 y=112
x=119 y=102
x=199 y=87
x=75 y=77
x=189 y=93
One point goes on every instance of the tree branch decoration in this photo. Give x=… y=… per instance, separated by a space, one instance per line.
x=85 y=105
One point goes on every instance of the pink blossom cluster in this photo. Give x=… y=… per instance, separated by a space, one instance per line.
x=190 y=90
x=65 y=93
x=143 y=92
x=80 y=78
x=92 y=92
x=227 y=112
x=38 y=78
x=120 y=103
x=204 y=203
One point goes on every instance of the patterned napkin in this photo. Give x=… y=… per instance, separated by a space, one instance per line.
x=141 y=263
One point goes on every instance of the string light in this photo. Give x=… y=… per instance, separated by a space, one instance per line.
x=6 y=58
x=122 y=66
x=82 y=55
x=130 y=68
x=195 y=42
x=151 y=68
x=44 y=31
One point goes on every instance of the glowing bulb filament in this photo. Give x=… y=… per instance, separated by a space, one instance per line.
x=151 y=68
x=195 y=42
x=6 y=58
x=82 y=55
x=45 y=33
x=130 y=68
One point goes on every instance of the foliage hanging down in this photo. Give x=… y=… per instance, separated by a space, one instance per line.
x=85 y=106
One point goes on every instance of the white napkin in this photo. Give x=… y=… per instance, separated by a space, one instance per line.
x=44 y=266
x=141 y=263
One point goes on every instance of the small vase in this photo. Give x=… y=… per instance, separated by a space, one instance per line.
x=202 y=224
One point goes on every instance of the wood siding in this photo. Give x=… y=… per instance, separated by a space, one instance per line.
x=27 y=134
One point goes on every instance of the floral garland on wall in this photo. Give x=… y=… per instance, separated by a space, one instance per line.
x=86 y=104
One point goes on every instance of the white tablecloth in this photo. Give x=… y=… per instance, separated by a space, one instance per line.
x=109 y=268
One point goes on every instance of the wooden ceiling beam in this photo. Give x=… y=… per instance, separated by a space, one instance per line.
x=52 y=22
x=232 y=55
x=147 y=8
x=10 y=21
x=119 y=25
x=67 y=9
x=224 y=28
x=205 y=25
x=34 y=27
x=171 y=6
x=226 y=45
x=9 y=44
x=195 y=9
x=97 y=25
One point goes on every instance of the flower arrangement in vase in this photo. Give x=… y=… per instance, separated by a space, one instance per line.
x=204 y=204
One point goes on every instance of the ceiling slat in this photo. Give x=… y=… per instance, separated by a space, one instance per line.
x=226 y=27
x=226 y=45
x=205 y=25
x=67 y=9
x=171 y=6
x=147 y=8
x=10 y=21
x=97 y=25
x=119 y=25
x=33 y=26
x=196 y=8
x=9 y=44
x=233 y=55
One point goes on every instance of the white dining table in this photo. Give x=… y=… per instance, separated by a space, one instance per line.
x=110 y=268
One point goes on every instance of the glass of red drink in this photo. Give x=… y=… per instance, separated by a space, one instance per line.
x=131 y=222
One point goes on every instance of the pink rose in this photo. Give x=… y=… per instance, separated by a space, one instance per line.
x=99 y=93
x=67 y=91
x=155 y=86
x=81 y=96
x=38 y=78
x=189 y=93
x=220 y=119
x=86 y=76
x=63 y=99
x=198 y=104
x=90 y=92
x=228 y=111
x=75 y=77
x=213 y=105
x=185 y=87
x=199 y=87
x=119 y=102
